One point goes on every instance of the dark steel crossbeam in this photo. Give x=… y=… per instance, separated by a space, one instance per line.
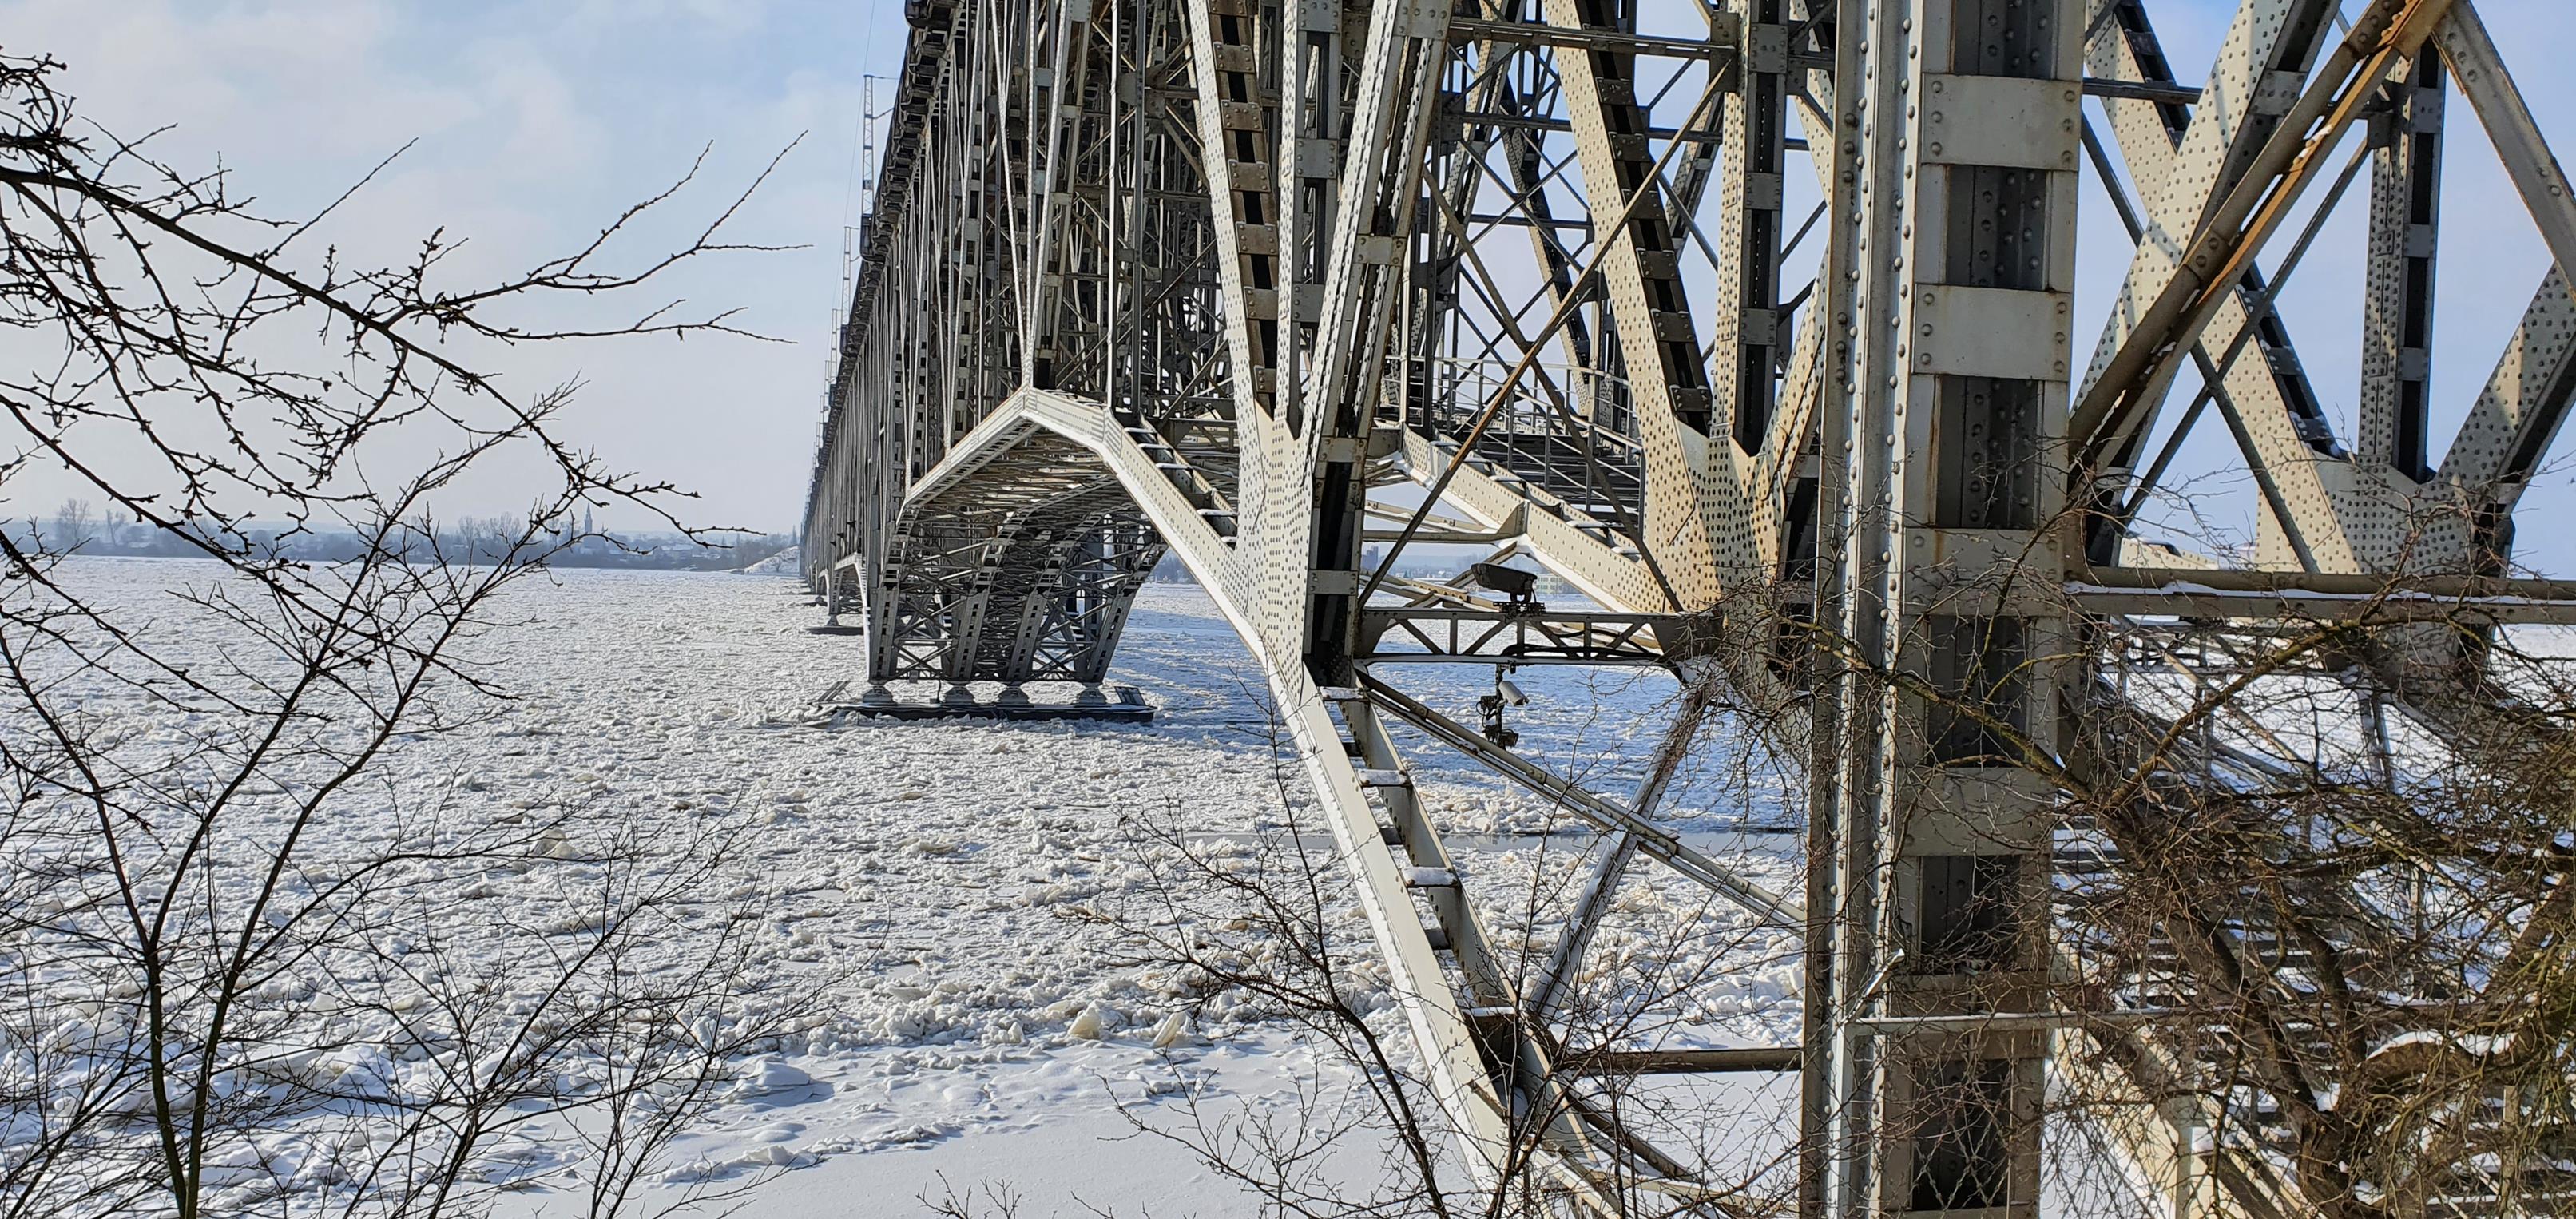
x=1720 y=43
x=2215 y=594
x=2141 y=91
x=1533 y=636
x=1684 y=1062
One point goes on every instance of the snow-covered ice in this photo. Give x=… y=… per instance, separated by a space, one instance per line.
x=920 y=881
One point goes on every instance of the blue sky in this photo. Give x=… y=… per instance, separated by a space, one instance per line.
x=535 y=124
x=536 y=121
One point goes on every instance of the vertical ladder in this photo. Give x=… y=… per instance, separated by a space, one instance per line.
x=1599 y=1164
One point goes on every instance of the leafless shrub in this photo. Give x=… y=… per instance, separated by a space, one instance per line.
x=2310 y=916
x=239 y=973
x=2347 y=908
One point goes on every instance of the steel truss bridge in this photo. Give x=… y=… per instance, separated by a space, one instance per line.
x=1750 y=319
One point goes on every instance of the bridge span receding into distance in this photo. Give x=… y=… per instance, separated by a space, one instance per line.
x=1755 y=323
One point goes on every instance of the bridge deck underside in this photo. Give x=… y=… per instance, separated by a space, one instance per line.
x=1023 y=571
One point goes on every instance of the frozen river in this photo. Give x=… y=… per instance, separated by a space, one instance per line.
x=924 y=886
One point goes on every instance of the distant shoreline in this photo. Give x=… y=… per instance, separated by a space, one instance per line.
x=722 y=562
